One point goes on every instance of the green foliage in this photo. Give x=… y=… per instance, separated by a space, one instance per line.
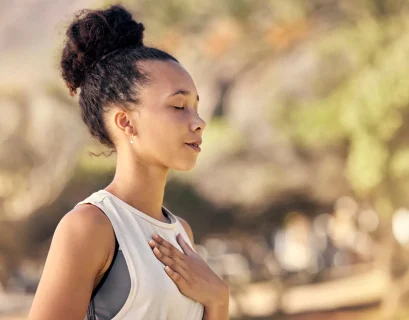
x=400 y=164
x=368 y=109
x=366 y=163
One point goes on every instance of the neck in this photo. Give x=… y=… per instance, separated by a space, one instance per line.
x=139 y=185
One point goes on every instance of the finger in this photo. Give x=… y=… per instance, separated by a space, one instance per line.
x=172 y=263
x=166 y=251
x=176 y=277
x=164 y=257
x=173 y=251
x=184 y=245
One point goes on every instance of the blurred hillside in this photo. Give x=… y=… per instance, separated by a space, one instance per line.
x=299 y=195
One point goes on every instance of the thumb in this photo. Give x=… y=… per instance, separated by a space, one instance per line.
x=183 y=244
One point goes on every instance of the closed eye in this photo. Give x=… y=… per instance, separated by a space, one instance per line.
x=182 y=108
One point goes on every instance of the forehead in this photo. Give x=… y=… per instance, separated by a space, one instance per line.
x=168 y=76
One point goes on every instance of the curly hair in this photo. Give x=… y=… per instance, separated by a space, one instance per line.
x=99 y=57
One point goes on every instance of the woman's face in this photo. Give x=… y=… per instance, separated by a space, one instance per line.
x=167 y=118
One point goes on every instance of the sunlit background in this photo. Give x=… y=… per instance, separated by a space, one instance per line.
x=300 y=198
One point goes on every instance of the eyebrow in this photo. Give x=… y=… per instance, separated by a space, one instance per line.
x=184 y=92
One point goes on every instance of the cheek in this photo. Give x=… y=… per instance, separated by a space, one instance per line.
x=162 y=130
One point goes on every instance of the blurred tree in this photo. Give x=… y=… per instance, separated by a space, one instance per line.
x=314 y=97
x=301 y=97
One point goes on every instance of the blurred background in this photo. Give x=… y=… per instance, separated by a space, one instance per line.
x=300 y=197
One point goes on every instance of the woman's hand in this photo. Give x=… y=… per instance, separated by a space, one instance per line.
x=190 y=272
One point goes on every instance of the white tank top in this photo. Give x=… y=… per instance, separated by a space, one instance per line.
x=153 y=295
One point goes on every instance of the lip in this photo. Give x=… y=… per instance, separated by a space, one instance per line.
x=197 y=149
x=198 y=142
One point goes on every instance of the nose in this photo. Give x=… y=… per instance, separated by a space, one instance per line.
x=197 y=124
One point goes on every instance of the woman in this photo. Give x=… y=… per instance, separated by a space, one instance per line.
x=120 y=254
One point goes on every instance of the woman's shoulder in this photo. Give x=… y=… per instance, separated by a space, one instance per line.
x=78 y=253
x=88 y=220
x=91 y=227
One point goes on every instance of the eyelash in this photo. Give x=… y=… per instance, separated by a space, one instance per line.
x=181 y=108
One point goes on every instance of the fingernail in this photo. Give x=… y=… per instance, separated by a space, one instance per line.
x=151 y=242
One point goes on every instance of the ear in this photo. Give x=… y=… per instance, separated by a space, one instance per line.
x=123 y=122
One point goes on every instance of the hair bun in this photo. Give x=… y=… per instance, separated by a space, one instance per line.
x=94 y=34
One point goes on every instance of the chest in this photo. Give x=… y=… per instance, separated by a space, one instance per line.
x=154 y=289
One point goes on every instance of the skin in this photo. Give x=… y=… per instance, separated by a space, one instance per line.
x=83 y=244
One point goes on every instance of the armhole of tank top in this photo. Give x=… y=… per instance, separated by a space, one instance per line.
x=105 y=276
x=126 y=306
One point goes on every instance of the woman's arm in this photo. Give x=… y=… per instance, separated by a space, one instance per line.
x=79 y=252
